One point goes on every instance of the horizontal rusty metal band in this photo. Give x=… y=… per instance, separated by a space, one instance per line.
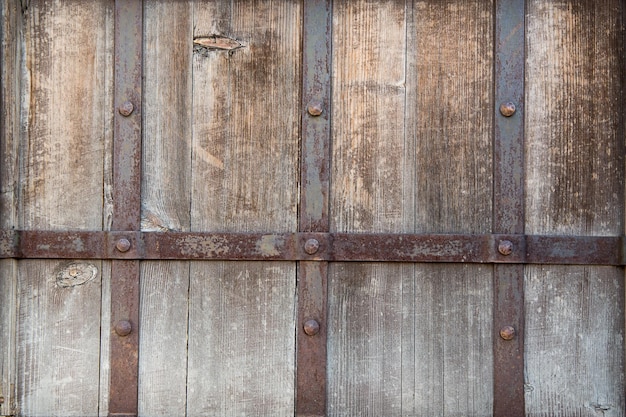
x=343 y=247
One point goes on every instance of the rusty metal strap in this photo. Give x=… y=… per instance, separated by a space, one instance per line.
x=452 y=248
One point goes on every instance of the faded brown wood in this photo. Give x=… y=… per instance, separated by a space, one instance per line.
x=575 y=185
x=365 y=309
x=9 y=178
x=402 y=115
x=166 y=191
x=62 y=138
x=246 y=112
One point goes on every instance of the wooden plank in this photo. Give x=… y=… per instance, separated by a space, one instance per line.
x=167 y=110
x=371 y=180
x=452 y=118
x=244 y=178
x=575 y=314
x=403 y=161
x=10 y=12
x=163 y=341
x=62 y=138
x=166 y=193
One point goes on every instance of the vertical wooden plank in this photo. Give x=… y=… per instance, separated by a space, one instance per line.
x=452 y=121
x=10 y=14
x=403 y=161
x=246 y=110
x=166 y=193
x=163 y=340
x=575 y=185
x=62 y=151
x=370 y=192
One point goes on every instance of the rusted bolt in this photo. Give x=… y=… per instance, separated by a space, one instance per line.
x=311 y=327
x=505 y=247
x=123 y=245
x=126 y=109
x=311 y=246
x=123 y=328
x=507 y=333
x=507 y=109
x=315 y=108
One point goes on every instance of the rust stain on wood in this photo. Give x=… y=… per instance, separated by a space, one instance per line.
x=216 y=43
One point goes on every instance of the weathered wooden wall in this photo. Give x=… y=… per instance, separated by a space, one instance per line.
x=412 y=126
x=575 y=186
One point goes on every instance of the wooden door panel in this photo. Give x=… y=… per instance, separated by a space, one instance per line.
x=411 y=141
x=221 y=141
x=575 y=186
x=411 y=153
x=57 y=134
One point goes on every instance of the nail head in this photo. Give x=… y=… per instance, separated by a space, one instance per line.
x=507 y=332
x=311 y=327
x=311 y=246
x=123 y=328
x=505 y=247
x=123 y=245
x=126 y=109
x=315 y=108
x=507 y=109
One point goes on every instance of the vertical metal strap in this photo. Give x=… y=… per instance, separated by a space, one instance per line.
x=124 y=355
x=508 y=206
x=312 y=276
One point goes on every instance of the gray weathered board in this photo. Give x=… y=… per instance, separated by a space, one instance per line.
x=411 y=152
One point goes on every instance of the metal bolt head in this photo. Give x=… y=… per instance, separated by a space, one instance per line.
x=507 y=109
x=126 y=109
x=123 y=245
x=311 y=327
x=507 y=332
x=123 y=328
x=315 y=108
x=505 y=247
x=311 y=246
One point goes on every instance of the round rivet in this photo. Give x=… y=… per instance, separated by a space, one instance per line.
x=315 y=108
x=507 y=333
x=126 y=109
x=123 y=328
x=311 y=246
x=311 y=327
x=507 y=109
x=505 y=247
x=123 y=245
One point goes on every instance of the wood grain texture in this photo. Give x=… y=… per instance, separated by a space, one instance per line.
x=163 y=341
x=244 y=178
x=167 y=118
x=451 y=61
x=9 y=178
x=411 y=152
x=575 y=185
x=65 y=97
x=166 y=193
